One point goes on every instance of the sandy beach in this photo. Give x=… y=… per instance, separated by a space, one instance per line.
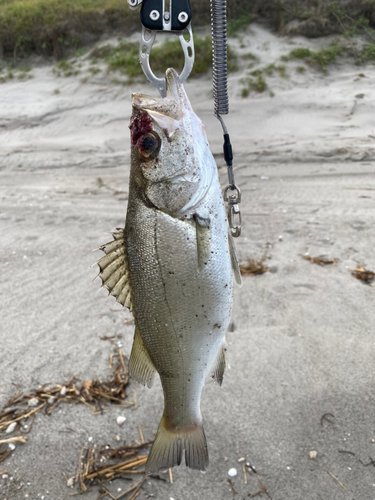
x=302 y=341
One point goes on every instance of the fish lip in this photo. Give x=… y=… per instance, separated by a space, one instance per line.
x=137 y=99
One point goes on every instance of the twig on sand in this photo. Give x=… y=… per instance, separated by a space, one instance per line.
x=133 y=489
x=321 y=260
x=5 y=454
x=244 y=473
x=371 y=462
x=170 y=475
x=363 y=274
x=136 y=488
x=335 y=478
x=231 y=486
x=264 y=488
x=261 y=491
x=252 y=495
x=325 y=417
x=141 y=434
x=104 y=492
x=348 y=452
x=18 y=439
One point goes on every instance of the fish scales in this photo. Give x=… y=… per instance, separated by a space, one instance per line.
x=180 y=261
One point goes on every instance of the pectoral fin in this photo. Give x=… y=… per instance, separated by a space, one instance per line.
x=203 y=235
x=141 y=368
x=114 y=271
x=234 y=259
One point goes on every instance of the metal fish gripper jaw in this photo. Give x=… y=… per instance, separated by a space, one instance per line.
x=166 y=16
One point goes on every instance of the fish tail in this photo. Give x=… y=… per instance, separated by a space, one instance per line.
x=169 y=444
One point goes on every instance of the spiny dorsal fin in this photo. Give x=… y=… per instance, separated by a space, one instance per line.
x=114 y=271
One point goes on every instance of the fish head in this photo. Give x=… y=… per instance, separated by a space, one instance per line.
x=171 y=159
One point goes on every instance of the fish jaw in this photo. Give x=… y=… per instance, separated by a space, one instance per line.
x=176 y=177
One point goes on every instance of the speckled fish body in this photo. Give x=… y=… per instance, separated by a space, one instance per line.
x=178 y=262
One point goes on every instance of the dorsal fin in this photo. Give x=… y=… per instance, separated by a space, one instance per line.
x=114 y=271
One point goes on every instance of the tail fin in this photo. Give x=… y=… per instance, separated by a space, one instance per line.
x=169 y=444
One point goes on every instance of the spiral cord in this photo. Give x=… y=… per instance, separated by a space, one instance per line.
x=232 y=193
x=219 y=56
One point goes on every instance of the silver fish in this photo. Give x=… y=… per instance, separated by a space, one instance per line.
x=173 y=267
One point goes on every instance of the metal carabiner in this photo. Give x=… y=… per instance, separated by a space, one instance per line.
x=234 y=211
x=155 y=17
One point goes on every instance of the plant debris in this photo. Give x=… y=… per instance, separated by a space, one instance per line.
x=325 y=417
x=253 y=267
x=335 y=478
x=321 y=260
x=97 y=466
x=363 y=274
x=93 y=393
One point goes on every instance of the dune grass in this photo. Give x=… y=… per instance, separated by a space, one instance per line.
x=321 y=58
x=55 y=27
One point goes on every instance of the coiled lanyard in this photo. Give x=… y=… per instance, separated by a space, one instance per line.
x=174 y=16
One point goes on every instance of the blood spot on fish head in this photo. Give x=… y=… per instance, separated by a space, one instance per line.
x=140 y=125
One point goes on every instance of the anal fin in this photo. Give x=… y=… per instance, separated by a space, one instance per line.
x=219 y=366
x=141 y=368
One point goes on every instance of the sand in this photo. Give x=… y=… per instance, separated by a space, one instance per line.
x=302 y=343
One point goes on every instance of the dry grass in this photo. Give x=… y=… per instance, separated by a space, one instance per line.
x=321 y=260
x=253 y=268
x=97 y=466
x=363 y=274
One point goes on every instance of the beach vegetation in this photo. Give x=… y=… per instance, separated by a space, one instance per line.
x=250 y=84
x=240 y=23
x=250 y=55
x=52 y=27
x=123 y=57
x=367 y=54
x=270 y=69
x=321 y=58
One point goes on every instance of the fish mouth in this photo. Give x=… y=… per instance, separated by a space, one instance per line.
x=172 y=105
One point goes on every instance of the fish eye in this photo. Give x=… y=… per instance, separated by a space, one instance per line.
x=149 y=145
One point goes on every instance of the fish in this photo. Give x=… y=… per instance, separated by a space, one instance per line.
x=174 y=266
